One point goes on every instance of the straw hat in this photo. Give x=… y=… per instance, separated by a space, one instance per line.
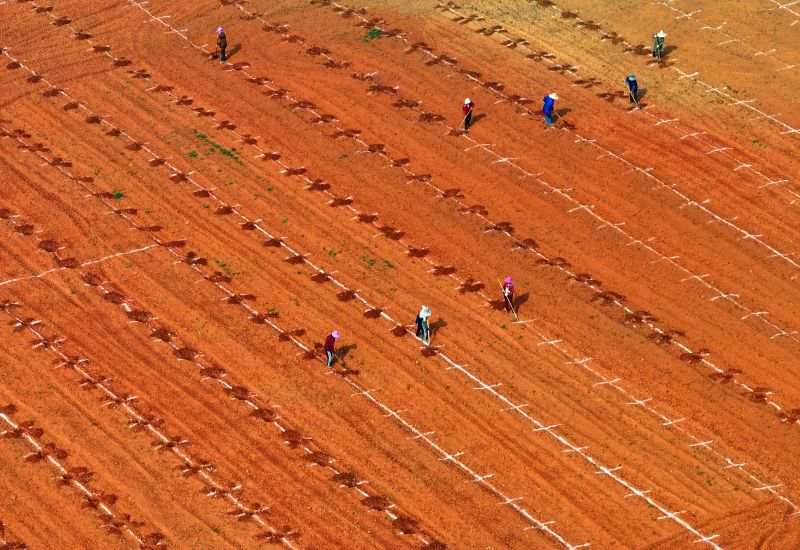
x=467 y=101
x=661 y=34
x=553 y=96
x=424 y=312
x=336 y=334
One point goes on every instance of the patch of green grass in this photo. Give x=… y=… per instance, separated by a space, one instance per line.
x=192 y=154
x=372 y=34
x=390 y=265
x=128 y=265
x=216 y=530
x=217 y=148
x=118 y=194
x=367 y=260
x=284 y=220
x=729 y=87
x=269 y=188
x=332 y=252
x=225 y=269
x=148 y=211
x=206 y=206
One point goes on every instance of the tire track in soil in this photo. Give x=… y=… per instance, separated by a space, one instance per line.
x=570 y=447
x=660 y=336
x=194 y=262
x=292 y=436
x=76 y=476
x=604 y=379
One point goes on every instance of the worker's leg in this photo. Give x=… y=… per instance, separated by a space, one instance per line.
x=467 y=121
x=222 y=57
x=330 y=359
x=548 y=119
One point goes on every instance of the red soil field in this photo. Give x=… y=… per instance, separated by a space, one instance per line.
x=180 y=235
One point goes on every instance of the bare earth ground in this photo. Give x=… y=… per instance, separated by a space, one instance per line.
x=178 y=237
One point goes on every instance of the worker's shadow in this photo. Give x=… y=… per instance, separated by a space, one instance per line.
x=561 y=113
x=668 y=50
x=477 y=118
x=640 y=94
x=519 y=301
x=344 y=351
x=233 y=51
x=434 y=327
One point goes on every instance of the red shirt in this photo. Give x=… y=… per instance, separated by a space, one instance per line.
x=510 y=288
x=467 y=107
x=329 y=341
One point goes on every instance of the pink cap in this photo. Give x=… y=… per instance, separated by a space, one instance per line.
x=336 y=334
x=219 y=30
x=510 y=280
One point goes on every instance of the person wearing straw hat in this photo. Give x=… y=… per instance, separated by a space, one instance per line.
x=658 y=43
x=222 y=44
x=549 y=107
x=423 y=330
x=467 y=108
x=330 y=352
x=633 y=88
x=508 y=293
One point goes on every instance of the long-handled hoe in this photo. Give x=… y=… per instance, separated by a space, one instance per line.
x=509 y=302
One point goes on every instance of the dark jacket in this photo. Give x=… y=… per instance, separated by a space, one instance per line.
x=329 y=342
x=222 y=41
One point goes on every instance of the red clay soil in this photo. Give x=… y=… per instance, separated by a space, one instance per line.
x=179 y=236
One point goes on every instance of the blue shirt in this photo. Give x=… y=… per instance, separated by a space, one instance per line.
x=549 y=103
x=632 y=84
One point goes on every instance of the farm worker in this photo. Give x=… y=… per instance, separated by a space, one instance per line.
x=508 y=293
x=547 y=109
x=467 y=108
x=658 y=43
x=422 y=324
x=330 y=352
x=633 y=87
x=222 y=44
